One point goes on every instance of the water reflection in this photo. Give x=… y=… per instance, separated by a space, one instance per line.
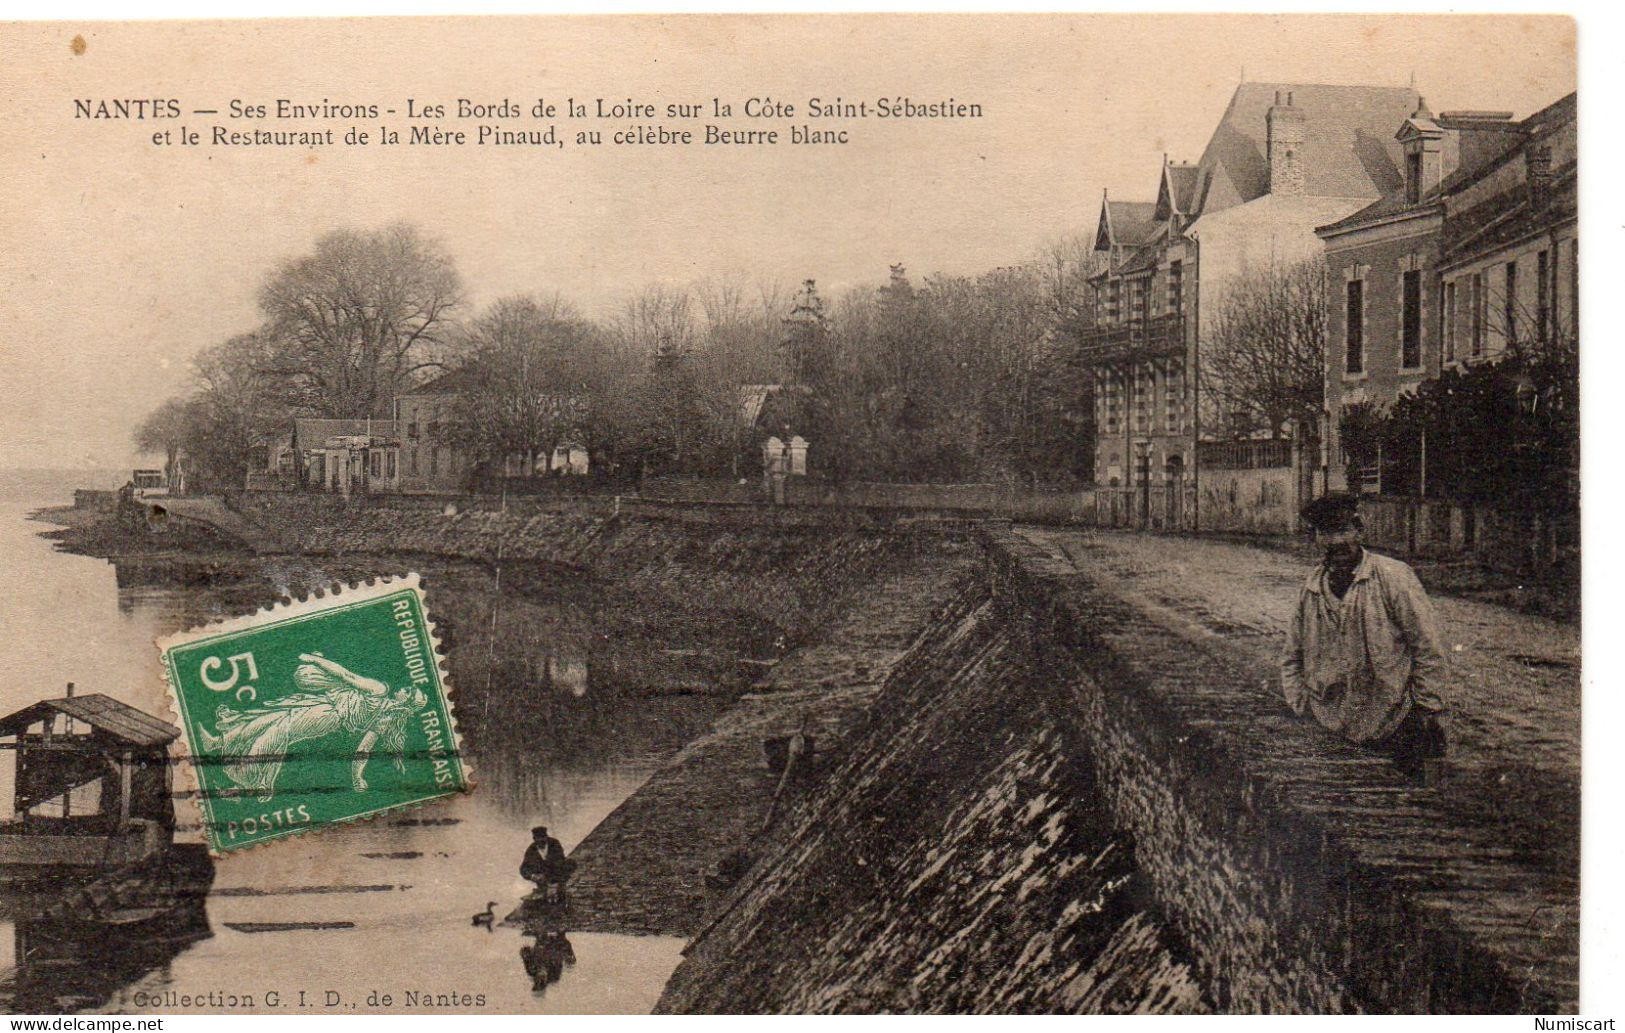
x=544 y=959
x=65 y=965
x=568 y=674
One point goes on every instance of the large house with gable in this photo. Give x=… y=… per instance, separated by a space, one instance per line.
x=1283 y=159
x=1473 y=257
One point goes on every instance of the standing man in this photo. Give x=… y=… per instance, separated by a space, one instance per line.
x=1363 y=653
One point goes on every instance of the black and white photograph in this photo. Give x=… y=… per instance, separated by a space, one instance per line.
x=886 y=513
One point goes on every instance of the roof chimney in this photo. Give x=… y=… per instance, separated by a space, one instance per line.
x=1538 y=168
x=1284 y=136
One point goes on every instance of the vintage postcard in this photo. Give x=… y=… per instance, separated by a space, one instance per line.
x=791 y=514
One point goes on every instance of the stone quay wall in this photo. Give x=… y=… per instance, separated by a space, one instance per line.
x=792 y=572
x=1060 y=802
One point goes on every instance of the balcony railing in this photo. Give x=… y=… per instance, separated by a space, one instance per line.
x=1244 y=455
x=1157 y=338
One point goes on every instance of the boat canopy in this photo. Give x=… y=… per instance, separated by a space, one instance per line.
x=86 y=766
x=103 y=713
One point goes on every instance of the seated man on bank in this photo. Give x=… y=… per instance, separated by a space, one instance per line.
x=545 y=864
x=1363 y=653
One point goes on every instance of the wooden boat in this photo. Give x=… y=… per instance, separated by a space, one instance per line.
x=138 y=899
x=103 y=757
x=92 y=846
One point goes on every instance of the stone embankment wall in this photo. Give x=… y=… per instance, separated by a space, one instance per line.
x=793 y=576
x=1058 y=803
x=958 y=859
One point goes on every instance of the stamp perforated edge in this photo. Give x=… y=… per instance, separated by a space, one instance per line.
x=338 y=594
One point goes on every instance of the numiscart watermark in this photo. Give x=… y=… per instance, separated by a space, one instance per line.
x=315 y=712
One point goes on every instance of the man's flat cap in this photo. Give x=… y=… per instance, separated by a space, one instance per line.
x=1334 y=509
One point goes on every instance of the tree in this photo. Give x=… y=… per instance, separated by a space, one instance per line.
x=808 y=359
x=235 y=408
x=740 y=347
x=1502 y=431
x=525 y=383
x=659 y=317
x=166 y=429
x=355 y=321
x=1265 y=360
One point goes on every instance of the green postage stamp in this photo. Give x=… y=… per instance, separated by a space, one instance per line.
x=314 y=712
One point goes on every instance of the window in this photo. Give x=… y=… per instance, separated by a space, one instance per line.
x=1410 y=320
x=1448 y=307
x=1543 y=297
x=412 y=461
x=1354 y=328
x=1413 y=177
x=1143 y=385
x=434 y=430
x=389 y=465
x=1557 y=289
x=1113 y=395
x=1509 y=305
x=1477 y=316
x=1574 y=285
x=1176 y=288
x=412 y=430
x=1173 y=400
x=434 y=460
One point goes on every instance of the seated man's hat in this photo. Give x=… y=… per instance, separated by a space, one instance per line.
x=1334 y=509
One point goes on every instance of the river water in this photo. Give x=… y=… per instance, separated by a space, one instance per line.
x=334 y=922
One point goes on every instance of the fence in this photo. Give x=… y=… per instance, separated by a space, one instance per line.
x=1244 y=455
x=1527 y=542
x=1248 y=498
x=1170 y=506
x=1249 y=501
x=1047 y=504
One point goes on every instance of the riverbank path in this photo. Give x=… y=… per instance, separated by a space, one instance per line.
x=1513 y=684
x=205 y=509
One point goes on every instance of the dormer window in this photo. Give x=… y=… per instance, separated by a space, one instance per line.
x=1422 y=139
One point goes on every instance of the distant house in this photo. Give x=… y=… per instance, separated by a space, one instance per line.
x=753 y=402
x=1510 y=252
x=1475 y=253
x=145 y=481
x=429 y=461
x=347 y=456
x=1283 y=160
x=569 y=459
x=769 y=413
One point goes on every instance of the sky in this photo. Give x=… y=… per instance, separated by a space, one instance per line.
x=124 y=259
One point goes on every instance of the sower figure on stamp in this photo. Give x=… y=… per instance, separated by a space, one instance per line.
x=546 y=865
x=1363 y=653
